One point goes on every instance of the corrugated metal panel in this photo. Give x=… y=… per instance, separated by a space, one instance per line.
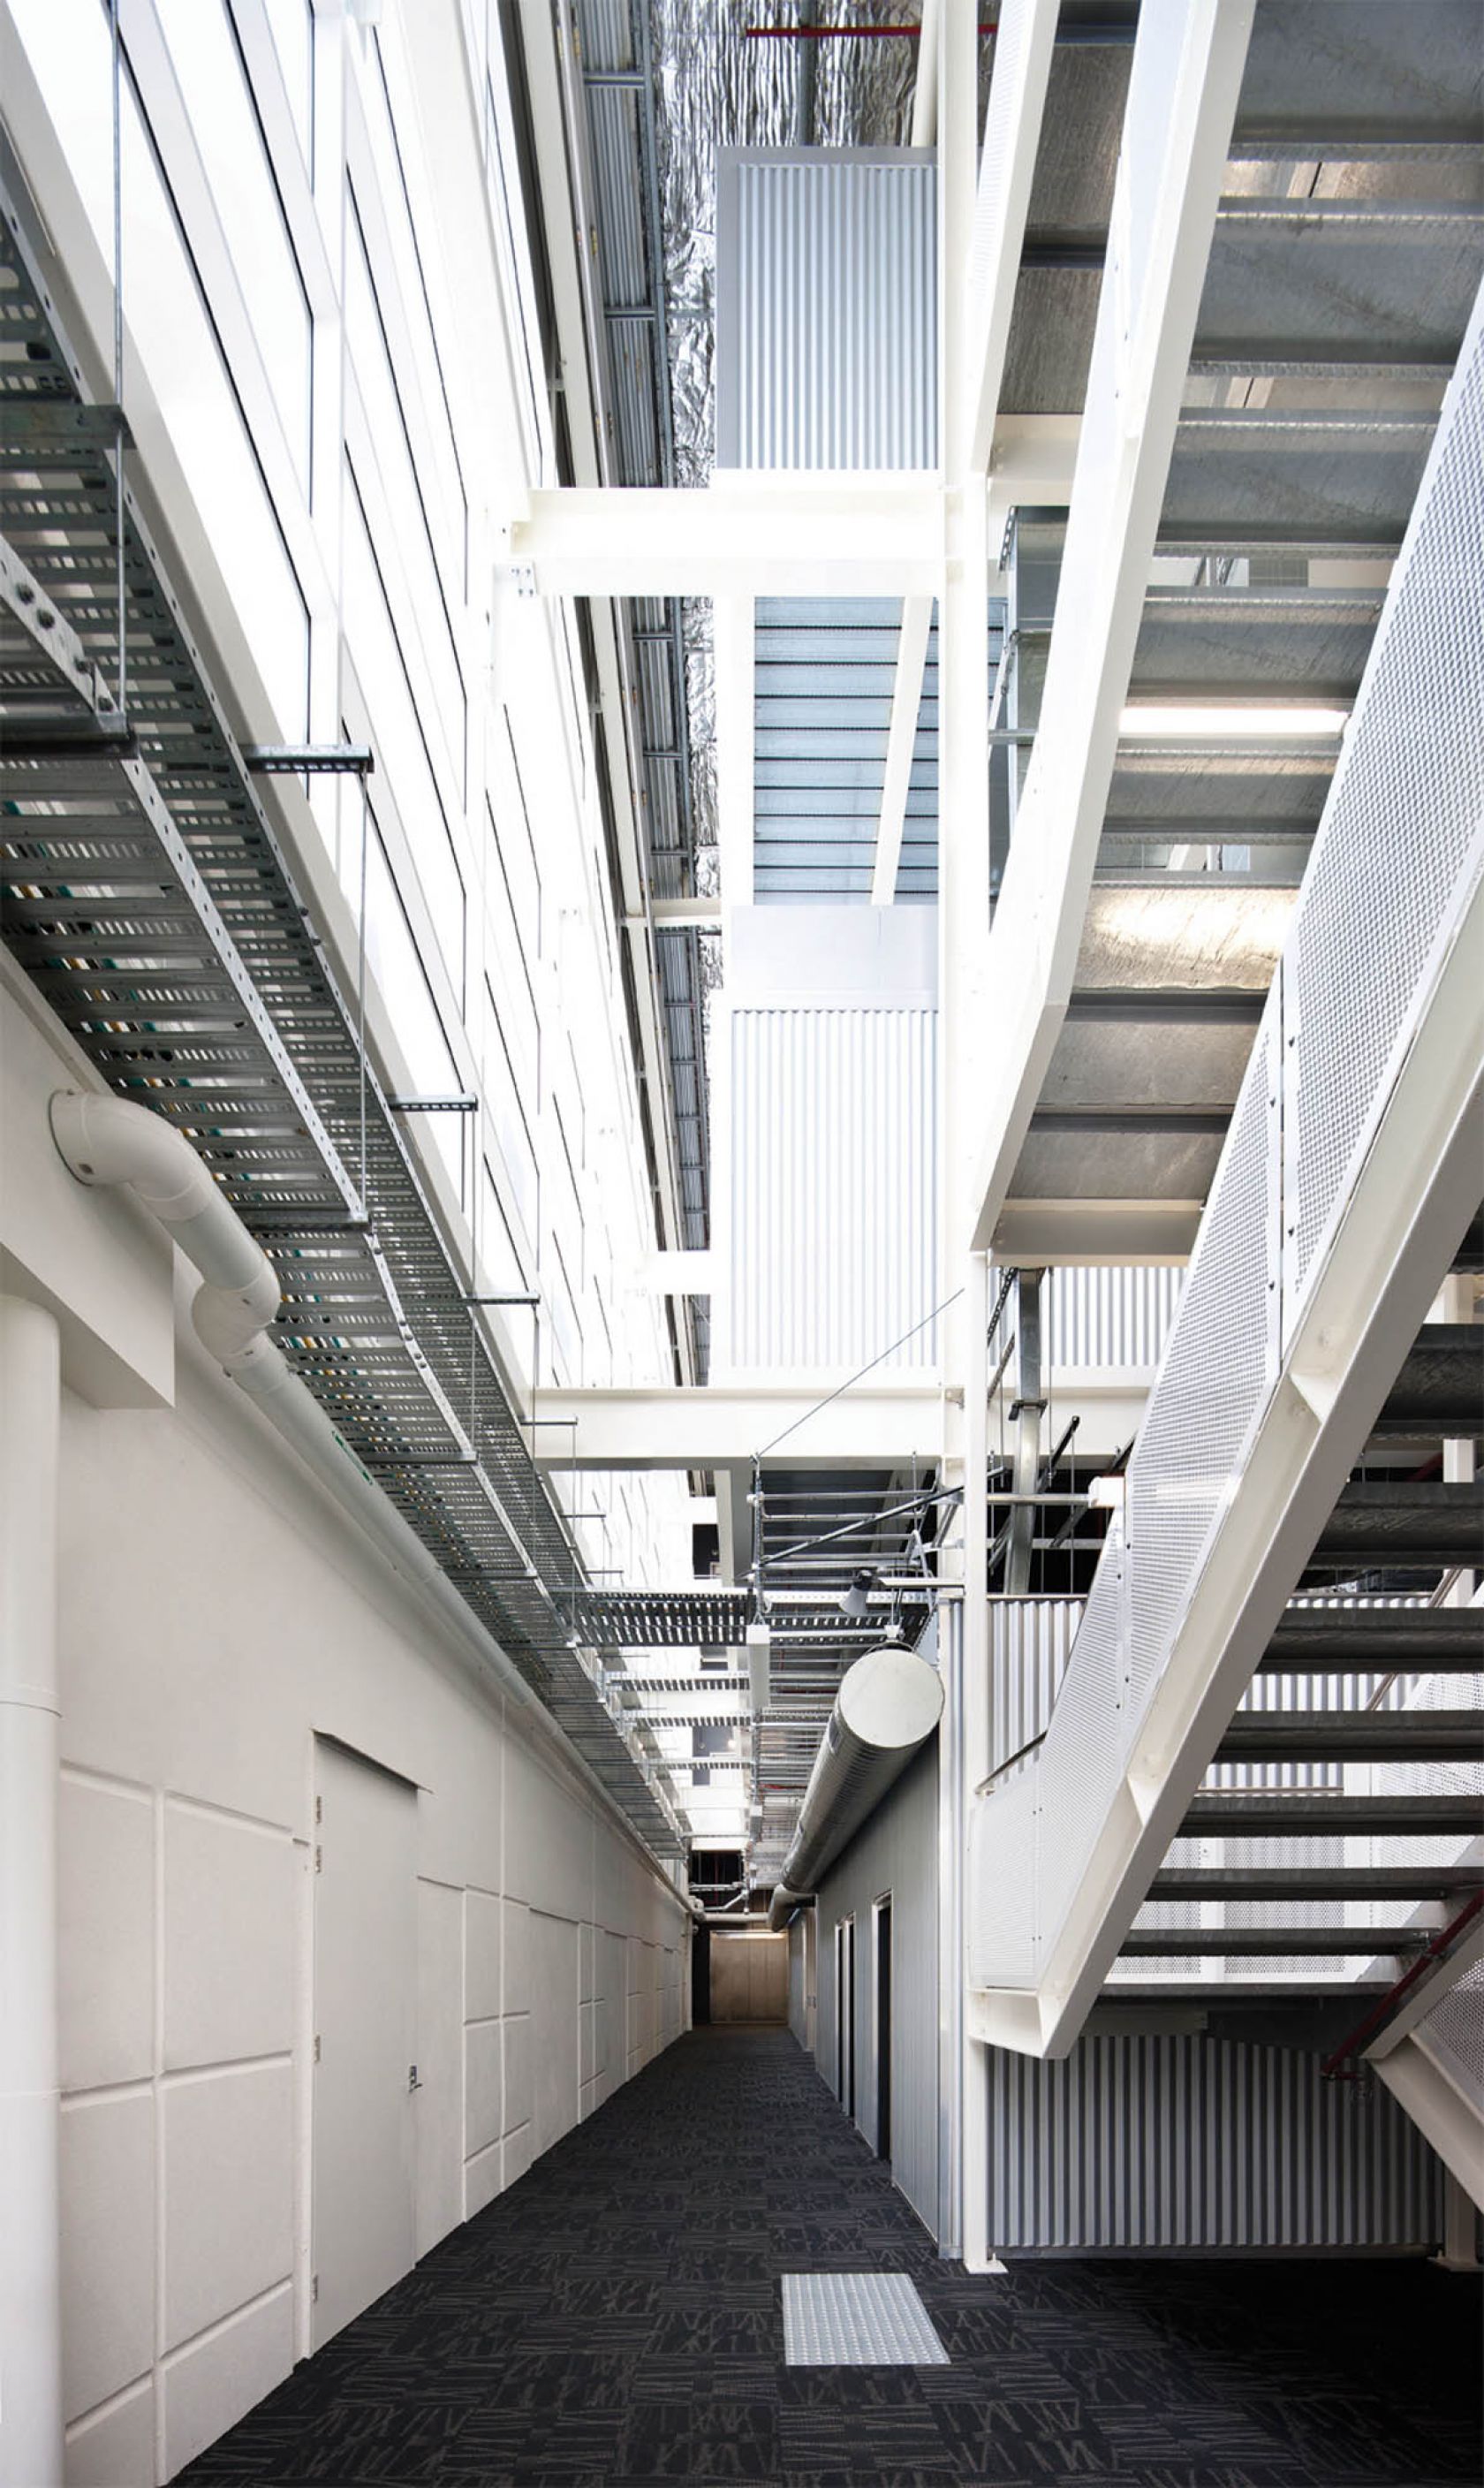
x=1167 y=2140
x=897 y=1853
x=832 y=1251
x=1107 y=1314
x=613 y=121
x=826 y=308
x=607 y=33
x=1030 y=1641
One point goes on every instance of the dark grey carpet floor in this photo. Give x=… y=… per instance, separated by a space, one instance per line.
x=615 y=2318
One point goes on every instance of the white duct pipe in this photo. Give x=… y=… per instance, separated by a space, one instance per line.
x=30 y=1763
x=888 y=1705
x=111 y=1141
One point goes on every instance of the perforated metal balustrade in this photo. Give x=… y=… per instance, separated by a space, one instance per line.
x=144 y=894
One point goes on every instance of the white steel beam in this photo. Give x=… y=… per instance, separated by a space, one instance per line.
x=1023 y=66
x=924 y=128
x=901 y=743
x=665 y=914
x=1033 y=463
x=1185 y=76
x=1444 y=2113
x=775 y=533
x=688 y=1428
x=1092 y=1232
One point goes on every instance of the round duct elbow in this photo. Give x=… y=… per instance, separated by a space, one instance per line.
x=887 y=1707
x=786 y=1905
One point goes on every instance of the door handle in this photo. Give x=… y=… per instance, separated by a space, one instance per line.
x=413 y=2083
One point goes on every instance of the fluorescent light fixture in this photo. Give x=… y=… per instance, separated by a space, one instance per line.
x=760 y=1642
x=1161 y=720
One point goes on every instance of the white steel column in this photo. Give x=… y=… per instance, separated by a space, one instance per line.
x=964 y=933
x=30 y=1704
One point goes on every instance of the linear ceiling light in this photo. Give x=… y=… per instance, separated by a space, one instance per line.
x=1159 y=721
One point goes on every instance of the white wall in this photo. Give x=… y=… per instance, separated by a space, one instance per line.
x=214 y=1619
x=895 y=1853
x=218 y=1613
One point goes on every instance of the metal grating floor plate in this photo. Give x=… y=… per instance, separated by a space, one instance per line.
x=857 y=2319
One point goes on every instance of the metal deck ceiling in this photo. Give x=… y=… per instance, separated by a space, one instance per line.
x=1346 y=252
x=145 y=894
x=1326 y=82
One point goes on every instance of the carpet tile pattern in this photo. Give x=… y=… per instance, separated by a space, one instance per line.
x=615 y=2319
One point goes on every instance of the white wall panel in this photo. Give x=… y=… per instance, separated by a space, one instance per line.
x=107 y=2151
x=830 y=1213
x=549 y=1847
x=483 y=2179
x=106 y=1940
x=229 y=2194
x=216 y=2381
x=439 y=2103
x=827 y=301
x=481 y=1951
x=114 y=2448
x=519 y=2096
x=554 y=2027
x=229 y=1938
x=517 y=1992
x=484 y=2086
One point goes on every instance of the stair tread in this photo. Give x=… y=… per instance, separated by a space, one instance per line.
x=1181 y=1943
x=1316 y=1883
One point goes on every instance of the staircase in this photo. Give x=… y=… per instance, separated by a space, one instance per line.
x=1339 y=1831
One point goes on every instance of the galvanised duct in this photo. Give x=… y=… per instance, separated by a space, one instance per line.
x=888 y=1705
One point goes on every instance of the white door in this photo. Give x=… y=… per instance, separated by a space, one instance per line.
x=365 y=2020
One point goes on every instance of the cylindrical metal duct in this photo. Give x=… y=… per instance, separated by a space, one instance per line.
x=888 y=1705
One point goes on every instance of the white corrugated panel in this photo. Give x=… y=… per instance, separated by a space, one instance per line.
x=826 y=308
x=832 y=1253
x=1108 y=1313
x=1136 y=2142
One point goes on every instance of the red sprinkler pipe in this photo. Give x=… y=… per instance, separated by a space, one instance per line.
x=1330 y=2071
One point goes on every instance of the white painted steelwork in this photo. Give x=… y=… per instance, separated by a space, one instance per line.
x=1184 y=81
x=826 y=308
x=1277 y=1364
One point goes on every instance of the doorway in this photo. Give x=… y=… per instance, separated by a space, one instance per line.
x=882 y=2020
x=845 y=2015
x=365 y=1996
x=749 y=1977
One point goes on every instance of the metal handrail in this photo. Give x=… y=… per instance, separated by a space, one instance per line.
x=1334 y=2068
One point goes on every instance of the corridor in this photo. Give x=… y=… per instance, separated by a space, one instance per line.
x=615 y=2316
